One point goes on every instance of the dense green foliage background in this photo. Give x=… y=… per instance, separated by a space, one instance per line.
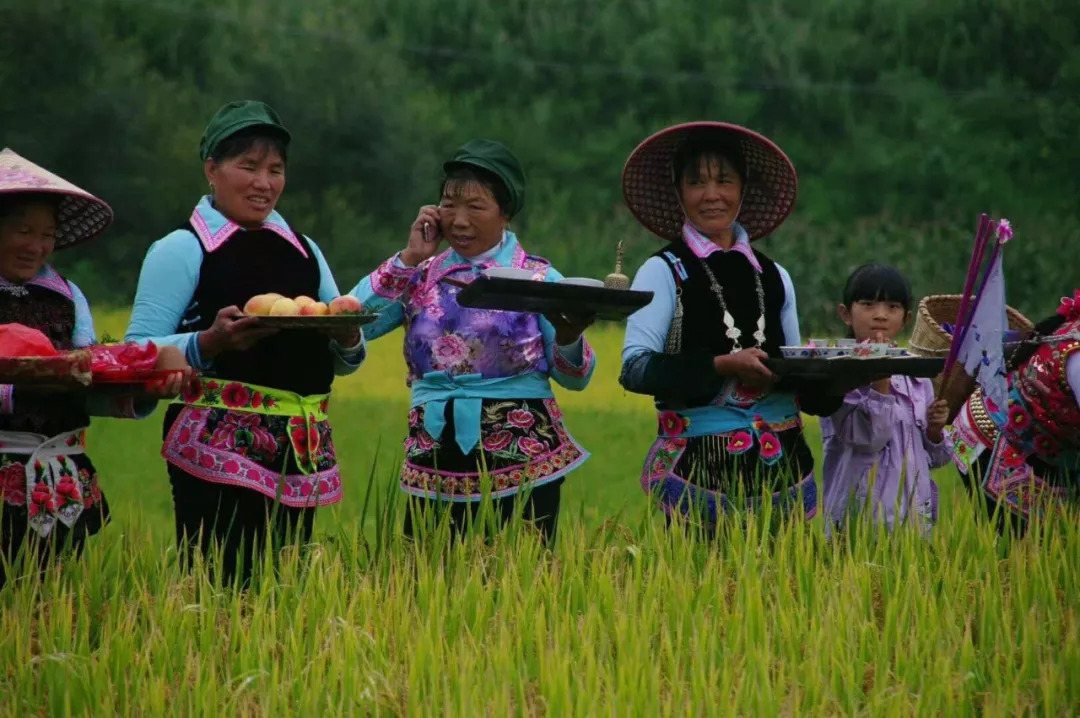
x=905 y=119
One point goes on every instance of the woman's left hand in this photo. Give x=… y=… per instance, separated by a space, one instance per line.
x=568 y=327
x=347 y=337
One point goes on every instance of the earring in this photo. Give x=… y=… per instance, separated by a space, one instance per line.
x=211 y=188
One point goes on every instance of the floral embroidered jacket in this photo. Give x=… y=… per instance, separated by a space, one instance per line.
x=466 y=357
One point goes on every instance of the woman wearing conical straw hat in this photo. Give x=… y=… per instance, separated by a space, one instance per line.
x=49 y=493
x=720 y=308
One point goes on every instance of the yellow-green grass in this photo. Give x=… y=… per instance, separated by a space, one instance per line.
x=621 y=619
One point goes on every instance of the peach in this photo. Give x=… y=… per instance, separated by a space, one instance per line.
x=303 y=301
x=284 y=308
x=260 y=304
x=315 y=309
x=346 y=304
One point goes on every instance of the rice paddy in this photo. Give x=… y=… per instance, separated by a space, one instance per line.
x=621 y=618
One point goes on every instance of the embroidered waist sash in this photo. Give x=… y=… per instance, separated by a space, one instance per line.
x=52 y=488
x=467 y=392
x=770 y=411
x=303 y=412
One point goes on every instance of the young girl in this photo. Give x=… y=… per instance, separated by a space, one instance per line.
x=882 y=443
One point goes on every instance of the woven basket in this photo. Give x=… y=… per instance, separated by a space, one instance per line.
x=929 y=338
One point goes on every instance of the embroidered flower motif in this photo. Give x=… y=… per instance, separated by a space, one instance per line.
x=414 y=417
x=449 y=350
x=257 y=400
x=13 y=484
x=68 y=489
x=521 y=418
x=1011 y=458
x=498 y=441
x=1045 y=445
x=770 y=447
x=672 y=423
x=531 y=447
x=1019 y=418
x=1070 y=307
x=42 y=499
x=193 y=392
x=740 y=442
x=424 y=441
x=235 y=395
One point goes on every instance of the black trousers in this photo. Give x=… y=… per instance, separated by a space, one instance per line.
x=22 y=548
x=214 y=517
x=539 y=507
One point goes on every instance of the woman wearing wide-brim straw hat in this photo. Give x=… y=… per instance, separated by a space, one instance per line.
x=720 y=307
x=49 y=493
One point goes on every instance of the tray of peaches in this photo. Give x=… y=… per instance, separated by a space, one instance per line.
x=279 y=312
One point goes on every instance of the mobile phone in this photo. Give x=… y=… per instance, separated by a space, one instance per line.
x=431 y=233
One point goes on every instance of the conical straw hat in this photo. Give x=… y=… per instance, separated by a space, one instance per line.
x=80 y=215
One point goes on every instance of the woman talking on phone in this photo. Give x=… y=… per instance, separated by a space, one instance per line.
x=483 y=420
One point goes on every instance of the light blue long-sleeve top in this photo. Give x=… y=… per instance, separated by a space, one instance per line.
x=170 y=275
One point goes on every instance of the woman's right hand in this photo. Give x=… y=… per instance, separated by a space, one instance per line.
x=230 y=333
x=747 y=365
x=423 y=243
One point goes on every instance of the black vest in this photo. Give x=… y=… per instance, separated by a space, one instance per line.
x=53 y=315
x=703 y=329
x=261 y=262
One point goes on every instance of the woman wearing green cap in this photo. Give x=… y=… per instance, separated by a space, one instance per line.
x=250 y=445
x=482 y=404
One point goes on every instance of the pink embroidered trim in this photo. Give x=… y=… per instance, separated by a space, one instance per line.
x=50 y=279
x=389 y=281
x=211 y=241
x=7 y=399
x=224 y=467
x=565 y=366
x=703 y=247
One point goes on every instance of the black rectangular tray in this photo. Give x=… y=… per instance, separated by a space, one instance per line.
x=524 y=295
x=848 y=373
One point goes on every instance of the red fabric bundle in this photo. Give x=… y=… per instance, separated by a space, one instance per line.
x=123 y=357
x=18 y=340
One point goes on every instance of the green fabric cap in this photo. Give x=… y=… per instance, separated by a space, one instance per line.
x=236 y=116
x=498 y=160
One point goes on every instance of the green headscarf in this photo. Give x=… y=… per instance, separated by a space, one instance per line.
x=493 y=157
x=236 y=116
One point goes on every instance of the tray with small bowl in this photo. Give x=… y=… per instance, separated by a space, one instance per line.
x=848 y=365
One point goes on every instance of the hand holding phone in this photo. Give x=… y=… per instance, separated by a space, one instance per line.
x=424 y=237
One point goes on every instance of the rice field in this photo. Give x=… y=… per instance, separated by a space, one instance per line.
x=622 y=618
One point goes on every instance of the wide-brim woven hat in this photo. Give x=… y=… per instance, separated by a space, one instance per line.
x=769 y=188
x=79 y=216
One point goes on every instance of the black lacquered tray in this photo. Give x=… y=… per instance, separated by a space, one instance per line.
x=847 y=373
x=524 y=295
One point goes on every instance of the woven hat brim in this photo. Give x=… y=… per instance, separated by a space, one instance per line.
x=768 y=196
x=80 y=215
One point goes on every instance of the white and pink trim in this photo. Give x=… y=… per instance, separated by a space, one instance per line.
x=212 y=240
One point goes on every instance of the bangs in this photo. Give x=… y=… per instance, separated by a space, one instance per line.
x=689 y=158
x=16 y=202
x=461 y=181
x=260 y=139
x=877 y=283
